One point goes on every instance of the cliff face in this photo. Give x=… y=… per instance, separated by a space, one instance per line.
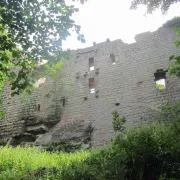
x=109 y=76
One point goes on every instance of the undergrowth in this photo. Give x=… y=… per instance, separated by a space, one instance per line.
x=22 y=163
x=150 y=152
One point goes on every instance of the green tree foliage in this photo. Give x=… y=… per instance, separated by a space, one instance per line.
x=30 y=31
x=174 y=68
x=146 y=153
x=81 y=1
x=153 y=5
x=118 y=122
x=37 y=28
x=12 y=59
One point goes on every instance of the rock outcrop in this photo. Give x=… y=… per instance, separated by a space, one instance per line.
x=72 y=136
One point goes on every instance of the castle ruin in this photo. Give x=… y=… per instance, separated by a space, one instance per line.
x=130 y=78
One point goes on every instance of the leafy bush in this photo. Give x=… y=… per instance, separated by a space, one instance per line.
x=151 y=152
x=146 y=153
x=118 y=122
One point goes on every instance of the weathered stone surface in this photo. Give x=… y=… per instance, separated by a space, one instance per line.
x=85 y=146
x=38 y=129
x=75 y=136
x=12 y=142
x=44 y=139
x=3 y=141
x=127 y=86
x=21 y=139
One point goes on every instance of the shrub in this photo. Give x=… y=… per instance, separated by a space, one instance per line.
x=30 y=162
x=146 y=153
x=151 y=151
x=118 y=122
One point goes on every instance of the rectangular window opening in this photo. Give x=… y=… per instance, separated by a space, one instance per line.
x=63 y=102
x=113 y=59
x=38 y=107
x=91 y=64
x=160 y=79
x=91 y=86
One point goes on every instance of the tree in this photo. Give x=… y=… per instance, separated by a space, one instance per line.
x=118 y=123
x=174 y=67
x=153 y=5
x=31 y=30
x=81 y=1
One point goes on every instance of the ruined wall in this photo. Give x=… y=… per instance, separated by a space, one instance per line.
x=130 y=82
x=12 y=123
x=127 y=86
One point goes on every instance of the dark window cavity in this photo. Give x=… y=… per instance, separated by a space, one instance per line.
x=38 y=107
x=63 y=102
x=113 y=59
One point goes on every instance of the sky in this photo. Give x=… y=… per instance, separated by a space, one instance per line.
x=102 y=19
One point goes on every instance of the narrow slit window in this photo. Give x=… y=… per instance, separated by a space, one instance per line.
x=63 y=102
x=91 y=86
x=91 y=64
x=113 y=59
x=160 y=79
x=38 y=107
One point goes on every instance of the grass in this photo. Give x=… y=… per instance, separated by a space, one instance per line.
x=17 y=163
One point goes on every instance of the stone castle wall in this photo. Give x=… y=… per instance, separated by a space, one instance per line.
x=127 y=86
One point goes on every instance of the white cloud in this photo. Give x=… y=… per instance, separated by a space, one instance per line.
x=102 y=19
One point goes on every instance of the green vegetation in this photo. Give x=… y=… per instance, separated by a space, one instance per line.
x=174 y=68
x=145 y=153
x=22 y=163
x=30 y=32
x=160 y=86
x=118 y=122
x=153 y=5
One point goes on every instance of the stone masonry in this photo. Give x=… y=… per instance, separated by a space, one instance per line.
x=65 y=108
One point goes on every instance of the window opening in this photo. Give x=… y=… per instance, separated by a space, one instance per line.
x=91 y=64
x=38 y=107
x=63 y=102
x=160 y=79
x=91 y=85
x=113 y=59
x=77 y=75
